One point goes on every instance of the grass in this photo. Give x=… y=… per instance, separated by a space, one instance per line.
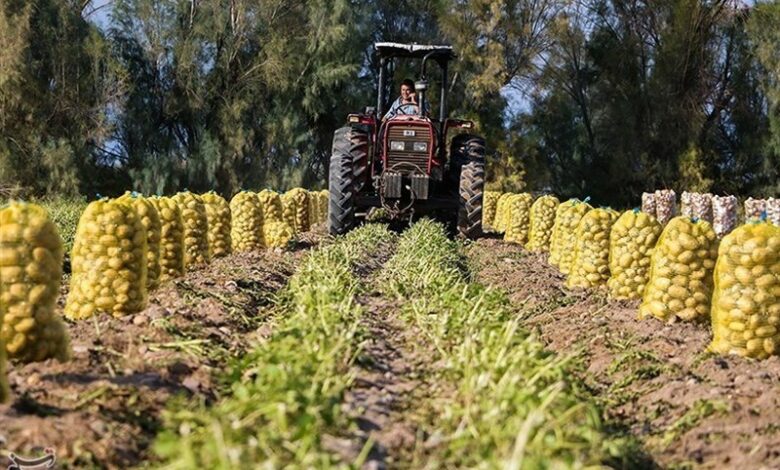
x=287 y=392
x=514 y=404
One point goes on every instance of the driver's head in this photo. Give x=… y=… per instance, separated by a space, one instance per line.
x=407 y=89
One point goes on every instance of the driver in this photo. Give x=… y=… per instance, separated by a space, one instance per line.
x=406 y=103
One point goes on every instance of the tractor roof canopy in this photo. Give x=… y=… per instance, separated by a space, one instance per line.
x=414 y=51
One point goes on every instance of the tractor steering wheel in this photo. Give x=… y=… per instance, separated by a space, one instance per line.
x=415 y=109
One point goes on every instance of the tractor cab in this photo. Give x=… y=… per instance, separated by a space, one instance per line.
x=401 y=163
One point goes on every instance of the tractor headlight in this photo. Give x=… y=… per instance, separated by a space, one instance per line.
x=397 y=145
x=421 y=146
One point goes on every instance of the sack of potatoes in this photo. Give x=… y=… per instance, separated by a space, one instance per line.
x=196 y=229
x=108 y=263
x=171 y=238
x=542 y=219
x=680 y=283
x=30 y=275
x=518 y=207
x=271 y=206
x=590 y=266
x=746 y=298
x=150 y=219
x=246 y=233
x=219 y=219
x=277 y=234
x=489 y=206
x=631 y=243
x=501 y=218
x=295 y=205
x=565 y=233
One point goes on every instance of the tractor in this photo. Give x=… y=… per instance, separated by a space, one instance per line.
x=400 y=163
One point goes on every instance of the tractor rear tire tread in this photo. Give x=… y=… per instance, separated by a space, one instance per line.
x=472 y=183
x=341 y=184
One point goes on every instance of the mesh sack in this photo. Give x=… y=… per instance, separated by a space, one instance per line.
x=686 y=200
x=489 y=206
x=680 y=283
x=542 y=220
x=171 y=238
x=665 y=205
x=773 y=210
x=30 y=275
x=724 y=214
x=565 y=234
x=590 y=265
x=150 y=218
x=701 y=207
x=746 y=299
x=631 y=244
x=108 y=264
x=271 y=205
x=499 y=224
x=518 y=208
x=314 y=208
x=247 y=230
x=196 y=229
x=219 y=222
x=277 y=234
x=754 y=209
x=648 y=204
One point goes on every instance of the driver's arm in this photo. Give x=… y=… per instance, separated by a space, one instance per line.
x=393 y=108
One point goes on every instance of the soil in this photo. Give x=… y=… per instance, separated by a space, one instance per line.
x=102 y=409
x=689 y=408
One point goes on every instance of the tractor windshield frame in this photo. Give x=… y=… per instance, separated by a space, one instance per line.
x=389 y=51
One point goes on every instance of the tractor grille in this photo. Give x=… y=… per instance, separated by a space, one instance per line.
x=420 y=159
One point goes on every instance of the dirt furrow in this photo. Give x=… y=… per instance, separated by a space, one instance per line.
x=688 y=408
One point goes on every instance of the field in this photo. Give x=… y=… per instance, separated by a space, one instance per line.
x=389 y=350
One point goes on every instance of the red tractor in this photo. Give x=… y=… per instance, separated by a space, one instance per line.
x=400 y=163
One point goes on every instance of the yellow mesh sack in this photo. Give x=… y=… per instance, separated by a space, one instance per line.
x=489 y=206
x=196 y=229
x=542 y=219
x=277 y=234
x=324 y=199
x=499 y=224
x=271 y=205
x=590 y=265
x=5 y=391
x=314 y=208
x=150 y=218
x=746 y=298
x=171 y=238
x=30 y=276
x=295 y=204
x=247 y=231
x=680 y=283
x=631 y=244
x=219 y=220
x=565 y=233
x=518 y=208
x=108 y=262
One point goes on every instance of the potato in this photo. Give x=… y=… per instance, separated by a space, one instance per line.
x=31 y=328
x=247 y=230
x=681 y=269
x=218 y=215
x=94 y=270
x=518 y=208
x=745 y=307
x=542 y=220
x=590 y=267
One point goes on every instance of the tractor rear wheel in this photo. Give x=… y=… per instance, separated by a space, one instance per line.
x=472 y=183
x=465 y=148
x=348 y=171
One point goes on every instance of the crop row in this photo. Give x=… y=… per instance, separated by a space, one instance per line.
x=285 y=395
x=124 y=248
x=507 y=402
x=681 y=270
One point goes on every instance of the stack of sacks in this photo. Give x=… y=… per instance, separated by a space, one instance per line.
x=108 y=262
x=631 y=244
x=171 y=238
x=746 y=300
x=681 y=272
x=542 y=222
x=590 y=267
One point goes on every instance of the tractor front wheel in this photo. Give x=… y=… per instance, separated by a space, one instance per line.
x=347 y=176
x=472 y=183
